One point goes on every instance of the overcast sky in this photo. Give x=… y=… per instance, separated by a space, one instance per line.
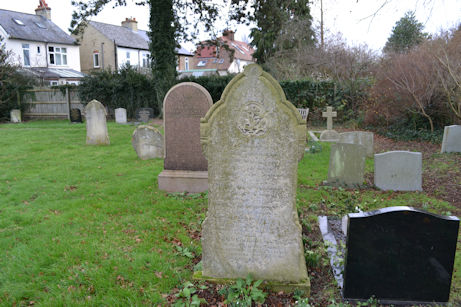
x=350 y=17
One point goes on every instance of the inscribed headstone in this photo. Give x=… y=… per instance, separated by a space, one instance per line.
x=398 y=171
x=360 y=138
x=120 y=116
x=347 y=165
x=253 y=139
x=185 y=166
x=451 y=139
x=144 y=115
x=76 y=116
x=15 y=116
x=147 y=141
x=96 y=126
x=400 y=255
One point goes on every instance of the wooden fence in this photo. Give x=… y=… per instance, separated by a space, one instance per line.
x=51 y=103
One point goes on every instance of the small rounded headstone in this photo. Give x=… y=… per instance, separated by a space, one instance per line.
x=329 y=136
x=147 y=141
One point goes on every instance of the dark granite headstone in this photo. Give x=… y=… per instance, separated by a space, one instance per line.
x=185 y=166
x=76 y=116
x=144 y=114
x=399 y=255
x=183 y=107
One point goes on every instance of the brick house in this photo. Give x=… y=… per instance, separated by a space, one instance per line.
x=107 y=46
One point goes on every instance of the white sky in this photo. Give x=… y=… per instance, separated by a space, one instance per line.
x=346 y=16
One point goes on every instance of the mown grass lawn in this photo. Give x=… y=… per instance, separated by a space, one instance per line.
x=87 y=225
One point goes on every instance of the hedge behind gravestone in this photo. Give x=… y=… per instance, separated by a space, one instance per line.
x=126 y=88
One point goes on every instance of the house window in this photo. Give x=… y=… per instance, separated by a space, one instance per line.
x=96 y=60
x=128 y=58
x=38 y=50
x=186 y=63
x=145 y=60
x=26 y=53
x=54 y=83
x=58 y=55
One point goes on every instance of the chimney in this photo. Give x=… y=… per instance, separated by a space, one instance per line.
x=43 y=10
x=229 y=34
x=130 y=23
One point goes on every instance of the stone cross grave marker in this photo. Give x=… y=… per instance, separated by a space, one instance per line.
x=253 y=139
x=76 y=116
x=120 y=116
x=96 y=126
x=15 y=116
x=144 y=115
x=398 y=171
x=399 y=255
x=147 y=141
x=329 y=114
x=347 y=165
x=185 y=166
x=451 y=139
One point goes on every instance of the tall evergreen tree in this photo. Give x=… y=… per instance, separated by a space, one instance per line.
x=163 y=37
x=407 y=33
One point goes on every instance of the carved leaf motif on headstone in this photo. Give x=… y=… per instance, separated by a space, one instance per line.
x=252 y=120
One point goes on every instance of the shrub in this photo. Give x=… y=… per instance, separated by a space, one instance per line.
x=125 y=88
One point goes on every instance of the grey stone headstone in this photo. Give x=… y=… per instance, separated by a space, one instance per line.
x=96 y=126
x=451 y=139
x=398 y=171
x=147 y=141
x=120 y=116
x=347 y=165
x=329 y=136
x=76 y=116
x=253 y=139
x=359 y=138
x=15 y=116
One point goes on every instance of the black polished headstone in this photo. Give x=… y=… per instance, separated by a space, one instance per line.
x=144 y=114
x=399 y=255
x=76 y=116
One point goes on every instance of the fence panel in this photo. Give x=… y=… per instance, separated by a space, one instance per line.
x=50 y=103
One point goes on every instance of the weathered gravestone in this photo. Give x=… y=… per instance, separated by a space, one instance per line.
x=147 y=141
x=15 y=116
x=96 y=126
x=76 y=116
x=120 y=116
x=399 y=255
x=185 y=166
x=347 y=165
x=253 y=139
x=329 y=135
x=451 y=139
x=144 y=115
x=359 y=138
x=398 y=171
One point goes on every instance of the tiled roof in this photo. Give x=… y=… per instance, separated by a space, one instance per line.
x=243 y=51
x=125 y=37
x=33 y=28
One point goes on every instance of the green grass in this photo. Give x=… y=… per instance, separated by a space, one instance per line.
x=87 y=225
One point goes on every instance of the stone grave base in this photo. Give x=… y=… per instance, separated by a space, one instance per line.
x=275 y=286
x=183 y=181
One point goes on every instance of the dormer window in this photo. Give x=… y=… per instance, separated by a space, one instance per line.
x=18 y=21
x=57 y=55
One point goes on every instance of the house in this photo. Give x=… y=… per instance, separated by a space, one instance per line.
x=40 y=46
x=224 y=57
x=107 y=46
